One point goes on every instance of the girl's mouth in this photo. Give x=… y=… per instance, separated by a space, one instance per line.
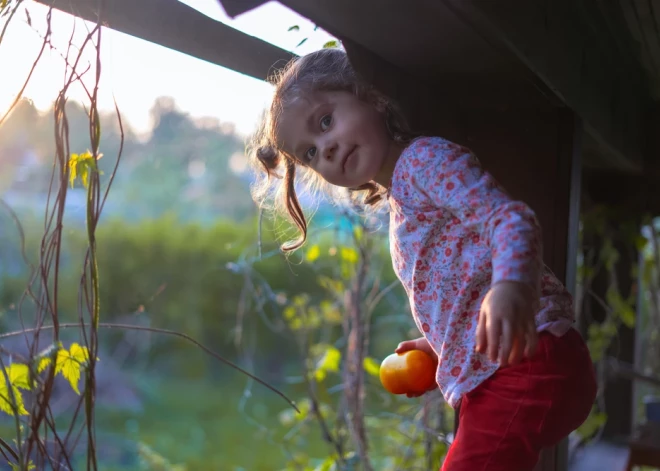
x=346 y=158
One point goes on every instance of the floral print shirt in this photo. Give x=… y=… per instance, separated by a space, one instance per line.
x=453 y=234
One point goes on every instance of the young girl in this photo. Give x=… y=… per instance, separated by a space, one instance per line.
x=468 y=256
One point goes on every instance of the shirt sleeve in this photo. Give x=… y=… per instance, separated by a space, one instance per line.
x=450 y=178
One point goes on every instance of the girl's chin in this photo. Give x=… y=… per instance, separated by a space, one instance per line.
x=359 y=183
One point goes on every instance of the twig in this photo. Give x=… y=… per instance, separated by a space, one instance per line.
x=13 y=404
x=34 y=65
x=379 y=297
x=325 y=431
x=628 y=371
x=165 y=332
x=11 y=451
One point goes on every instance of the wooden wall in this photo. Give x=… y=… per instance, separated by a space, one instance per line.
x=533 y=152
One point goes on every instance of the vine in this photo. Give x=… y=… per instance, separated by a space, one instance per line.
x=26 y=392
x=605 y=234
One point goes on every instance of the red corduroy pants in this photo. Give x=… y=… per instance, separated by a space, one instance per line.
x=506 y=421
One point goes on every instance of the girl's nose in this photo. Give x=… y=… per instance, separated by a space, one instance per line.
x=329 y=150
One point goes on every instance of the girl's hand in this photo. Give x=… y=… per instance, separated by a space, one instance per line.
x=417 y=344
x=506 y=323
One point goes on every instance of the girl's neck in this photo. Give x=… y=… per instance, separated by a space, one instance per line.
x=384 y=176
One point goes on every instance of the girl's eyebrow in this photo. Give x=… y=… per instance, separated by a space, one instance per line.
x=315 y=110
x=310 y=123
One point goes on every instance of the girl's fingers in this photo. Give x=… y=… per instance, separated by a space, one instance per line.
x=482 y=335
x=494 y=333
x=405 y=346
x=518 y=349
x=532 y=337
x=432 y=388
x=506 y=344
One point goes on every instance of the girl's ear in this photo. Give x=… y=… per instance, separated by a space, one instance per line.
x=377 y=100
x=380 y=103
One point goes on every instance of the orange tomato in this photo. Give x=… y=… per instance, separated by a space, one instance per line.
x=408 y=372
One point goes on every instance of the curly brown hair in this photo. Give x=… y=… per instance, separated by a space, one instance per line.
x=323 y=70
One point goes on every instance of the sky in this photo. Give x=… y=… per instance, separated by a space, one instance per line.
x=136 y=72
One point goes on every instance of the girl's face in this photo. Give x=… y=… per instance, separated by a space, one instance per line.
x=338 y=136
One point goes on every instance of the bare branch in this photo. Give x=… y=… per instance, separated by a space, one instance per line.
x=34 y=65
x=166 y=332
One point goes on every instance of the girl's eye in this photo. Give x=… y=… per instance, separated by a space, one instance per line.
x=311 y=153
x=326 y=121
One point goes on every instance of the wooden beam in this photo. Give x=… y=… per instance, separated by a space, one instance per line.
x=233 y=8
x=177 y=26
x=570 y=47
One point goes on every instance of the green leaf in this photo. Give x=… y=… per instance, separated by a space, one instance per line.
x=331 y=313
x=289 y=416
x=19 y=376
x=289 y=312
x=609 y=255
x=80 y=165
x=358 y=233
x=43 y=364
x=349 y=254
x=302 y=42
x=331 y=44
x=590 y=426
x=335 y=287
x=371 y=366
x=294 y=28
x=641 y=242
x=329 y=362
x=329 y=464
x=69 y=363
x=628 y=317
x=313 y=253
x=622 y=309
x=16 y=467
x=312 y=318
x=6 y=403
x=300 y=300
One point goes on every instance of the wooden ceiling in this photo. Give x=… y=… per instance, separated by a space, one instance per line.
x=599 y=57
x=514 y=53
x=177 y=26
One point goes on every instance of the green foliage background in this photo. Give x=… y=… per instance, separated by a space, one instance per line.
x=176 y=248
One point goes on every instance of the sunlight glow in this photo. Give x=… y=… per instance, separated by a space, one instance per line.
x=136 y=72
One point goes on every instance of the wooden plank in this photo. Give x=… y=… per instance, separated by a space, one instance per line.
x=566 y=44
x=600 y=456
x=652 y=161
x=453 y=59
x=177 y=26
x=643 y=19
x=233 y=8
x=570 y=162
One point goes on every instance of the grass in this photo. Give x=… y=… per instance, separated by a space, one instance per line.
x=196 y=424
x=204 y=425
